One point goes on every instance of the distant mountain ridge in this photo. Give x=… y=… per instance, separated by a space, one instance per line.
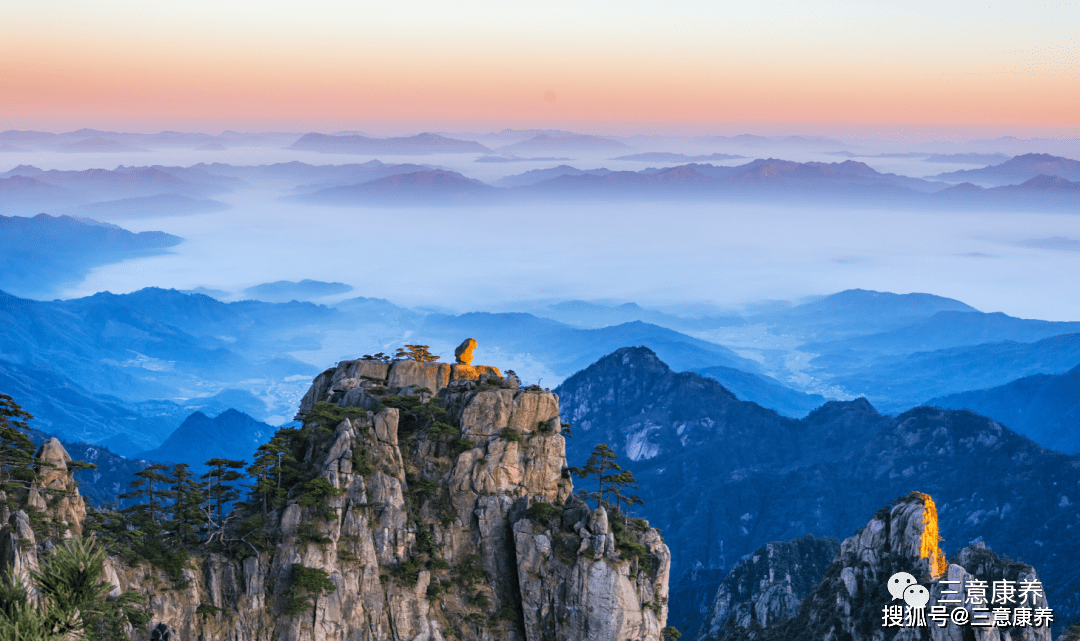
x=707 y=462
x=354 y=144
x=39 y=254
x=1044 y=407
x=231 y=434
x=534 y=176
x=284 y=290
x=421 y=187
x=668 y=156
x=1017 y=170
x=562 y=142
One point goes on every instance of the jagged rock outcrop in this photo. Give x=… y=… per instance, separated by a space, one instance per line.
x=55 y=497
x=722 y=477
x=463 y=353
x=55 y=492
x=463 y=528
x=851 y=600
x=361 y=382
x=767 y=587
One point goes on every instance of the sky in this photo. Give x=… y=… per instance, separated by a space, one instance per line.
x=622 y=66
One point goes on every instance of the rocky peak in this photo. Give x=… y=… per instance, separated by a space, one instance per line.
x=55 y=496
x=767 y=587
x=449 y=513
x=56 y=493
x=854 y=594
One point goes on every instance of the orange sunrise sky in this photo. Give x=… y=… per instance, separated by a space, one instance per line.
x=324 y=65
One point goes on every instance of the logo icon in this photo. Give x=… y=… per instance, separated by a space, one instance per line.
x=900 y=582
x=916 y=596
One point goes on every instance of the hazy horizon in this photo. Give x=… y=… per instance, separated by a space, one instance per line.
x=496 y=257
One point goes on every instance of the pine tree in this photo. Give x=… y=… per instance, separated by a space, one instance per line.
x=600 y=463
x=416 y=353
x=267 y=469
x=16 y=450
x=70 y=592
x=151 y=484
x=220 y=489
x=618 y=484
x=187 y=495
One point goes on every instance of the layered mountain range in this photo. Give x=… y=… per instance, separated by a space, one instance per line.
x=125 y=370
x=1037 y=181
x=707 y=462
x=46 y=252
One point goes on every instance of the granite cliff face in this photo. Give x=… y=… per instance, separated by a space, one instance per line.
x=464 y=529
x=767 y=587
x=56 y=497
x=723 y=477
x=850 y=600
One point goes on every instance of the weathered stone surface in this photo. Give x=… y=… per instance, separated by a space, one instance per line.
x=768 y=587
x=412 y=518
x=55 y=491
x=18 y=556
x=571 y=591
x=472 y=372
x=433 y=376
x=849 y=601
x=488 y=413
x=463 y=354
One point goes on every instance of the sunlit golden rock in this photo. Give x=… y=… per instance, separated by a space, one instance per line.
x=463 y=353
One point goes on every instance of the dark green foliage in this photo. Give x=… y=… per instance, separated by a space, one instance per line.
x=461 y=445
x=600 y=462
x=16 y=450
x=329 y=415
x=480 y=600
x=415 y=416
x=510 y=434
x=511 y=614
x=346 y=555
x=309 y=533
x=416 y=353
x=422 y=488
x=671 y=633
x=469 y=572
x=187 y=515
x=631 y=549
x=426 y=542
x=221 y=488
x=434 y=590
x=207 y=610
x=476 y=618
x=72 y=603
x=171 y=559
x=70 y=578
x=409 y=571
x=438 y=564
x=306 y=586
x=152 y=484
x=542 y=512
x=545 y=427
x=106 y=621
x=266 y=471
x=440 y=429
x=361 y=460
x=315 y=493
